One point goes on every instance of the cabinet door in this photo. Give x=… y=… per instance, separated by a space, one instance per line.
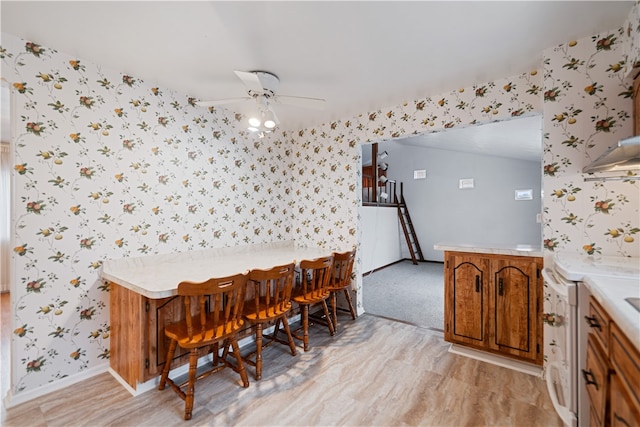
x=465 y=299
x=623 y=412
x=161 y=312
x=596 y=380
x=513 y=292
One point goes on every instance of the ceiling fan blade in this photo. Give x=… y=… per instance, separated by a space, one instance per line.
x=222 y=101
x=299 y=101
x=250 y=80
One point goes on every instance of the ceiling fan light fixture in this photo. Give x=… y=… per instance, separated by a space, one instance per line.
x=269 y=119
x=254 y=122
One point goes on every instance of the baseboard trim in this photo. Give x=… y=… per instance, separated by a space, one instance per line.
x=441 y=331
x=366 y=273
x=12 y=400
x=527 y=368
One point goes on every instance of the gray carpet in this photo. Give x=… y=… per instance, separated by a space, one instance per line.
x=407 y=292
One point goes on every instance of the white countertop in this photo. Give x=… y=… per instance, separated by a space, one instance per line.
x=498 y=249
x=611 y=292
x=576 y=266
x=157 y=276
x=610 y=279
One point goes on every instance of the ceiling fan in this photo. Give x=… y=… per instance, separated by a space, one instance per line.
x=261 y=87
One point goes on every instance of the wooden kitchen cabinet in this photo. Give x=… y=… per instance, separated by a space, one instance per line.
x=612 y=372
x=493 y=303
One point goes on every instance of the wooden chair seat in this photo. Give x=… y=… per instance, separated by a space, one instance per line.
x=213 y=316
x=266 y=312
x=313 y=289
x=270 y=301
x=179 y=332
x=312 y=298
x=341 y=282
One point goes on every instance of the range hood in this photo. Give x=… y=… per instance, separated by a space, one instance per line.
x=624 y=156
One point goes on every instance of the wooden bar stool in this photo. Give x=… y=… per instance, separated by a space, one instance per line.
x=271 y=301
x=313 y=289
x=216 y=317
x=341 y=281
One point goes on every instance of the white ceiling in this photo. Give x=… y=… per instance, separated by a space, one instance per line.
x=359 y=56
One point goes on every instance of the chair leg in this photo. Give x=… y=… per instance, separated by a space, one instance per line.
x=241 y=370
x=348 y=297
x=225 y=350
x=334 y=309
x=258 y=351
x=276 y=329
x=215 y=356
x=188 y=400
x=287 y=329
x=305 y=327
x=329 y=321
x=167 y=364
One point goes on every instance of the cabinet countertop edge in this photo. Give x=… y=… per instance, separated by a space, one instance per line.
x=611 y=293
x=498 y=249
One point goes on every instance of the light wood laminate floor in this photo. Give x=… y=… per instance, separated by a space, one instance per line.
x=374 y=372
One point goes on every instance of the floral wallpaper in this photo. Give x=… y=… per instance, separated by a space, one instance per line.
x=110 y=166
x=587 y=109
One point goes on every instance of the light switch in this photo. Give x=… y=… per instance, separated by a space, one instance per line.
x=466 y=183
x=524 y=194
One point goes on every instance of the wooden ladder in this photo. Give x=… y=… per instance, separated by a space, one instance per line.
x=407 y=228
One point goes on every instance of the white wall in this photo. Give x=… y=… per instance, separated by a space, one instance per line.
x=487 y=214
x=380 y=237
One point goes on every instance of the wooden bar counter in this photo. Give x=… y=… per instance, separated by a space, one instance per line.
x=143 y=299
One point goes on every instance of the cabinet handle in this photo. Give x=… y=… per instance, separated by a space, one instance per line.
x=589 y=378
x=500 y=287
x=477 y=283
x=620 y=419
x=593 y=322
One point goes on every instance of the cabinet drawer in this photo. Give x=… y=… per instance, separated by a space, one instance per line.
x=623 y=412
x=595 y=377
x=598 y=320
x=626 y=362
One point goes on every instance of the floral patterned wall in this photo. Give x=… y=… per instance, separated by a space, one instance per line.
x=587 y=109
x=109 y=166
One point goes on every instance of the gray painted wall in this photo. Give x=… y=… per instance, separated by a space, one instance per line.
x=486 y=214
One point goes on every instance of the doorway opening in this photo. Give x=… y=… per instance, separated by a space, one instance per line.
x=5 y=238
x=407 y=293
